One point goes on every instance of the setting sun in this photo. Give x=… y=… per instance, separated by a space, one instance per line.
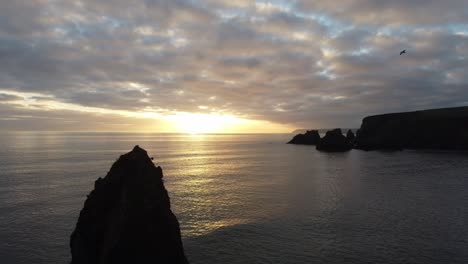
x=197 y=123
x=204 y=123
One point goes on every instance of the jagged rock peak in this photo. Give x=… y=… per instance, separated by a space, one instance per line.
x=334 y=141
x=127 y=217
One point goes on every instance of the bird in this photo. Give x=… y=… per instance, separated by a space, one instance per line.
x=402 y=52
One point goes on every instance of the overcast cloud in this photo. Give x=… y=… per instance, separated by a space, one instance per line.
x=301 y=64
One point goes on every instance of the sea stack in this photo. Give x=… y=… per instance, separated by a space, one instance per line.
x=127 y=218
x=445 y=129
x=334 y=141
x=350 y=136
x=310 y=137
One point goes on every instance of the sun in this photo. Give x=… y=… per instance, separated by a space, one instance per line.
x=196 y=123
x=205 y=123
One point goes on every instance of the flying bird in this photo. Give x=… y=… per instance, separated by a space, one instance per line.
x=402 y=52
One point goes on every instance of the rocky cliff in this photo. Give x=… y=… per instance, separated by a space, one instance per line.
x=127 y=217
x=334 y=141
x=310 y=137
x=432 y=129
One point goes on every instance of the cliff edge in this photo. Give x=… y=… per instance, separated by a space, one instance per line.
x=127 y=217
x=445 y=128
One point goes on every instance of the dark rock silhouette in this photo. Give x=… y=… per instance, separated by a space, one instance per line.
x=311 y=137
x=445 y=128
x=127 y=217
x=334 y=141
x=300 y=131
x=350 y=136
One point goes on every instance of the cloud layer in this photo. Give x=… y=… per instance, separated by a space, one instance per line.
x=291 y=63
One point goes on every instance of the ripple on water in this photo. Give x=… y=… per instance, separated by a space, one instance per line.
x=246 y=198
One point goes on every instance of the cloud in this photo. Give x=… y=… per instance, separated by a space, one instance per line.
x=8 y=97
x=394 y=13
x=298 y=64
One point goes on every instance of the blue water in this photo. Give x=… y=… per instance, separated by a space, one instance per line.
x=245 y=198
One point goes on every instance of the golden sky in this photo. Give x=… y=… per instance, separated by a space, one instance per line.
x=226 y=66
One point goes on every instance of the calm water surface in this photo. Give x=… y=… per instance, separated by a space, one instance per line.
x=245 y=198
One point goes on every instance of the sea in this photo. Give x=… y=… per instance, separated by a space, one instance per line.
x=245 y=198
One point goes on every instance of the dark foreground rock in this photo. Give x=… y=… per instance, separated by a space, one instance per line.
x=311 y=137
x=429 y=129
x=334 y=141
x=127 y=217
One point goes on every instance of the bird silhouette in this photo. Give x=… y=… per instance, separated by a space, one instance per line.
x=402 y=52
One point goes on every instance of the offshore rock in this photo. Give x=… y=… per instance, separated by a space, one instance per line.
x=311 y=137
x=445 y=129
x=334 y=141
x=127 y=217
x=350 y=136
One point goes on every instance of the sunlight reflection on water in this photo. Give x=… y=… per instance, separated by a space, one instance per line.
x=245 y=198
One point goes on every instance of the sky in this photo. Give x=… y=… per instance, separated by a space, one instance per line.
x=226 y=66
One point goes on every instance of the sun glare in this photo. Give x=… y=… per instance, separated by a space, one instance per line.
x=204 y=123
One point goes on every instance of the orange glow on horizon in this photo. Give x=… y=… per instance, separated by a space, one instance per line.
x=147 y=120
x=197 y=123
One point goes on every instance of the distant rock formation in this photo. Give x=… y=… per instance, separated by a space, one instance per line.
x=300 y=131
x=350 y=136
x=311 y=137
x=127 y=217
x=445 y=128
x=334 y=141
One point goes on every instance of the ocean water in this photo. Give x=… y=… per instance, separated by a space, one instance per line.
x=245 y=198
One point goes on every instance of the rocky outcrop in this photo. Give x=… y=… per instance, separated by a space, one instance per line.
x=350 y=136
x=429 y=129
x=334 y=141
x=127 y=217
x=311 y=137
